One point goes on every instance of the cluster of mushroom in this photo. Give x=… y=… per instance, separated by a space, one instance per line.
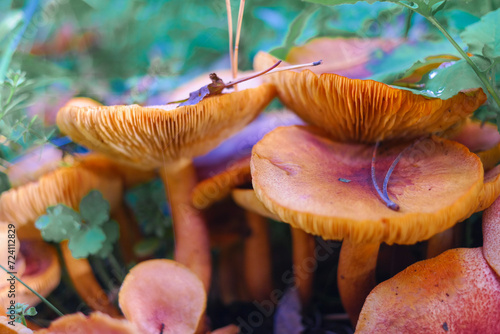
x=322 y=178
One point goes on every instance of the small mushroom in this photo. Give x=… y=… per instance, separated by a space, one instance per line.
x=455 y=292
x=324 y=188
x=42 y=273
x=482 y=139
x=491 y=236
x=6 y=328
x=95 y=323
x=163 y=296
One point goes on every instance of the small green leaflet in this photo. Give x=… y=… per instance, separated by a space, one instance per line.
x=4 y=182
x=89 y=232
x=483 y=37
x=426 y=8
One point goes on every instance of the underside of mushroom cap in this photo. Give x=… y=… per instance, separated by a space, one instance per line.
x=150 y=137
x=491 y=189
x=66 y=185
x=353 y=110
x=164 y=294
x=95 y=323
x=325 y=187
x=455 y=292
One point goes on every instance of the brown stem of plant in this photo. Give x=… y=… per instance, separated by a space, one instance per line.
x=258 y=272
x=85 y=283
x=192 y=242
x=356 y=275
x=237 y=41
x=129 y=232
x=230 y=31
x=304 y=263
x=230 y=274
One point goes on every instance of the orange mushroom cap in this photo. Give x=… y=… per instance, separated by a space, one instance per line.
x=95 y=323
x=42 y=274
x=366 y=110
x=66 y=185
x=491 y=236
x=324 y=187
x=491 y=189
x=247 y=199
x=164 y=294
x=455 y=292
x=150 y=137
x=482 y=139
x=18 y=328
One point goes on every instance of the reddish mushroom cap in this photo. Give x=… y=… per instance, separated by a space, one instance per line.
x=95 y=323
x=164 y=294
x=491 y=236
x=325 y=187
x=455 y=292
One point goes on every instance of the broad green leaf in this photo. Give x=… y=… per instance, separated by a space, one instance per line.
x=294 y=31
x=86 y=242
x=94 y=208
x=4 y=182
x=426 y=8
x=483 y=37
x=396 y=64
x=474 y=7
x=59 y=224
x=111 y=230
x=449 y=81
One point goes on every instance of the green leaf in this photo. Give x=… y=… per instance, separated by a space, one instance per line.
x=94 y=208
x=426 y=8
x=474 y=7
x=59 y=224
x=86 y=242
x=31 y=312
x=111 y=230
x=4 y=182
x=483 y=37
x=294 y=31
x=449 y=81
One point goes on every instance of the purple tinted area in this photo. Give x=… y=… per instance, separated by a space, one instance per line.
x=240 y=145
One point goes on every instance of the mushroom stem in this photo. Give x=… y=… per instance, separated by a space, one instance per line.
x=129 y=232
x=304 y=263
x=356 y=275
x=441 y=242
x=257 y=261
x=192 y=242
x=86 y=284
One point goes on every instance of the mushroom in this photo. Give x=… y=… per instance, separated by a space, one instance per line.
x=6 y=328
x=324 y=187
x=66 y=185
x=41 y=272
x=366 y=111
x=163 y=296
x=482 y=139
x=455 y=292
x=227 y=167
x=95 y=323
x=491 y=236
x=349 y=59
x=168 y=138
